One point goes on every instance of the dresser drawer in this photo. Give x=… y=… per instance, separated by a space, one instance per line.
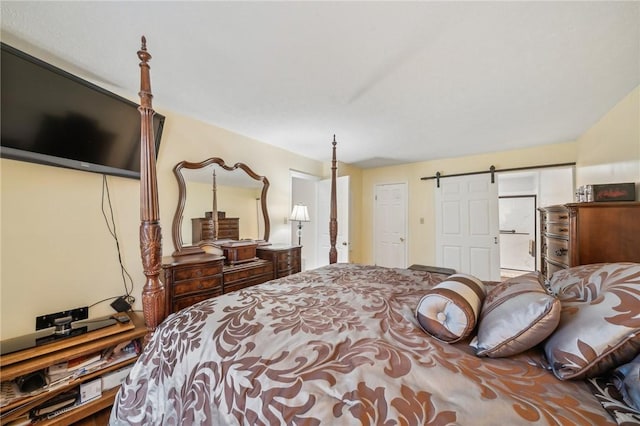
x=557 y=216
x=190 y=279
x=183 y=302
x=286 y=260
x=286 y=272
x=247 y=272
x=196 y=285
x=557 y=250
x=248 y=282
x=561 y=229
x=246 y=275
x=180 y=274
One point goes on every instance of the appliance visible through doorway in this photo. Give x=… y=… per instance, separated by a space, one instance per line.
x=517 y=235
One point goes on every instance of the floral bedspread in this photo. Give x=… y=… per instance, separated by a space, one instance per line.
x=338 y=345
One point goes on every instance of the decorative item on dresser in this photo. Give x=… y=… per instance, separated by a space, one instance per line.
x=582 y=233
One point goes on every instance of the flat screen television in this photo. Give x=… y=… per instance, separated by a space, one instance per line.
x=52 y=117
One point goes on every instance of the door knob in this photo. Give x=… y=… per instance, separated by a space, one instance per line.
x=401 y=240
x=344 y=243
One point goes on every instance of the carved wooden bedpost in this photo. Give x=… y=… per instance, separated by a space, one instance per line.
x=333 y=221
x=153 y=295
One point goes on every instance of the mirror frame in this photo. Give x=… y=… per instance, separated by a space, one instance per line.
x=176 y=231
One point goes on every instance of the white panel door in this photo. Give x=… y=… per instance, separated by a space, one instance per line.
x=467 y=226
x=343 y=199
x=390 y=229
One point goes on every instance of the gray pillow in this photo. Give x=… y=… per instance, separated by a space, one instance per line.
x=517 y=314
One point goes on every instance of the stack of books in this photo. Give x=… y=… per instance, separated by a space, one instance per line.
x=73 y=368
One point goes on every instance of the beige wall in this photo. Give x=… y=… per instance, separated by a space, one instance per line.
x=609 y=152
x=57 y=252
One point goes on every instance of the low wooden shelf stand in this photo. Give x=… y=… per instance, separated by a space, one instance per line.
x=26 y=361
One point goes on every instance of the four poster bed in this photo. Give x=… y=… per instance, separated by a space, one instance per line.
x=356 y=344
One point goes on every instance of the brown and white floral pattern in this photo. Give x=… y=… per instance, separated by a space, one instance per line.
x=600 y=319
x=338 y=345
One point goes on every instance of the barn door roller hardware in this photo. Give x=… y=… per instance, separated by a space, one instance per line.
x=493 y=172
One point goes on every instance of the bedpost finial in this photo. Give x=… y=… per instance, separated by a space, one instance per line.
x=142 y=53
x=145 y=79
x=334 y=140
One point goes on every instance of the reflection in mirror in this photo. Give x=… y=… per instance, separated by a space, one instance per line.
x=240 y=201
x=237 y=196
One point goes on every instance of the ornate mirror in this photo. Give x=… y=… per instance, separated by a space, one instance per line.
x=235 y=193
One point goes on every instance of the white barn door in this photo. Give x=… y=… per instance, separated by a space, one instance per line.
x=467 y=226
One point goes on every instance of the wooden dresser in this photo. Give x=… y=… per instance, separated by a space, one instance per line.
x=286 y=259
x=582 y=233
x=190 y=279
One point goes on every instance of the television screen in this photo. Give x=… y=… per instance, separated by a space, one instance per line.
x=49 y=116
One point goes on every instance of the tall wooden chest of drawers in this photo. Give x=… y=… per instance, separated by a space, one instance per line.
x=202 y=229
x=190 y=279
x=583 y=233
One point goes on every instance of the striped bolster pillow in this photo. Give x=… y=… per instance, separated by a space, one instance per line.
x=449 y=311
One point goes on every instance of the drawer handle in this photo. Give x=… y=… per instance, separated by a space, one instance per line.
x=564 y=230
x=563 y=217
x=561 y=252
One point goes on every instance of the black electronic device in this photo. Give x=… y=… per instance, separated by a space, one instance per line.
x=122 y=318
x=52 y=117
x=62 y=320
x=54 y=334
x=121 y=304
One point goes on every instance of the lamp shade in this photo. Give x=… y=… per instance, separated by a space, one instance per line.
x=300 y=213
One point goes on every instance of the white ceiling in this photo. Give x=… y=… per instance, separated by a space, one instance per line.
x=396 y=82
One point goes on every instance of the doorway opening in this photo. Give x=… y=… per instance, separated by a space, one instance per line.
x=517 y=218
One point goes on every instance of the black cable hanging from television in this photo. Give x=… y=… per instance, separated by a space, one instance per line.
x=493 y=171
x=111 y=226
